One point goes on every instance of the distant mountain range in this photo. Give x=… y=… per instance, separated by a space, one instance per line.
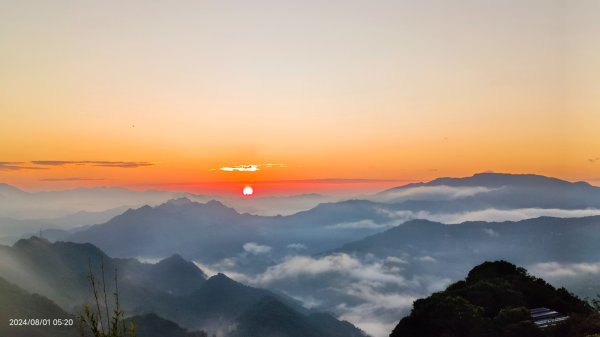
x=192 y=229
x=347 y=257
x=213 y=231
x=497 y=190
x=12 y=230
x=19 y=204
x=525 y=241
x=19 y=304
x=23 y=214
x=495 y=180
x=173 y=288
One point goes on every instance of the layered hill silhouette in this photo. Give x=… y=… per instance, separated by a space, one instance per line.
x=59 y=271
x=172 y=289
x=525 y=241
x=20 y=304
x=495 y=300
x=377 y=231
x=212 y=231
x=20 y=204
x=502 y=190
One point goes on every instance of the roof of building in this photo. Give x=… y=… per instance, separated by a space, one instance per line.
x=544 y=317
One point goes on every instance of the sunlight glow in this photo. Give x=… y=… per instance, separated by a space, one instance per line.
x=248 y=191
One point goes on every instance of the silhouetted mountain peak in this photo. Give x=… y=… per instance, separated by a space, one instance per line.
x=42 y=247
x=174 y=261
x=421 y=223
x=222 y=283
x=175 y=258
x=220 y=278
x=217 y=205
x=489 y=179
x=496 y=269
x=183 y=201
x=130 y=211
x=178 y=265
x=33 y=241
x=497 y=180
x=10 y=189
x=185 y=204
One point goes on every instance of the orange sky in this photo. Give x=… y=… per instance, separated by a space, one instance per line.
x=394 y=90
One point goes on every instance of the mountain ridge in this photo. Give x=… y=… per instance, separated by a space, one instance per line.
x=61 y=271
x=490 y=179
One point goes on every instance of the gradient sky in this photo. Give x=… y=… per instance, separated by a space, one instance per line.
x=386 y=90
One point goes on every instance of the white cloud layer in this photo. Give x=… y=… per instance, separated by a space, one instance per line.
x=297 y=266
x=361 y=224
x=491 y=232
x=249 y=167
x=441 y=192
x=240 y=168
x=372 y=293
x=256 y=249
x=554 y=270
x=490 y=214
x=426 y=258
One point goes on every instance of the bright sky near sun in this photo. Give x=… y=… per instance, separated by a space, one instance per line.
x=169 y=93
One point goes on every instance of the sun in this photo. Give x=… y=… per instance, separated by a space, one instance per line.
x=248 y=191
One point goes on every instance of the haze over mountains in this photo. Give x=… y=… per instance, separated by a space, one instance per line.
x=180 y=225
x=173 y=288
x=363 y=260
x=29 y=212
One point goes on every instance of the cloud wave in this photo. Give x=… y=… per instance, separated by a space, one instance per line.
x=553 y=270
x=441 y=192
x=370 y=292
x=361 y=224
x=256 y=249
x=489 y=215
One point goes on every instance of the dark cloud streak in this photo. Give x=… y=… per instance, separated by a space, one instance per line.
x=71 y=179
x=17 y=166
x=118 y=164
x=338 y=181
